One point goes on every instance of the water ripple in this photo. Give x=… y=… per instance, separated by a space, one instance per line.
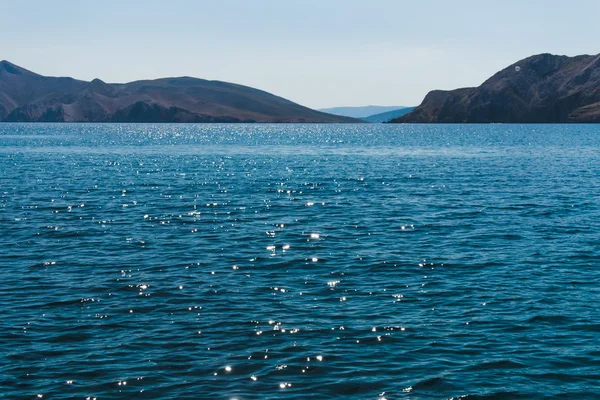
x=288 y=261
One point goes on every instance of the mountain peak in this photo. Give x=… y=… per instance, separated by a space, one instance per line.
x=7 y=66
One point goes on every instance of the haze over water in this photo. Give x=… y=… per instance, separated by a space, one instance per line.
x=288 y=261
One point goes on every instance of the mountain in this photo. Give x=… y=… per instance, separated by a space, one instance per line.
x=544 y=88
x=28 y=97
x=359 y=112
x=388 y=116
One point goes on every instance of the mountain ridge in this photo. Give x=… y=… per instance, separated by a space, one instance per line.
x=543 y=88
x=26 y=96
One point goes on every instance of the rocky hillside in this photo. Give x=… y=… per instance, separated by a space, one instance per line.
x=540 y=89
x=28 y=97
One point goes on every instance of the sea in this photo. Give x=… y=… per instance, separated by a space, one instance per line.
x=368 y=261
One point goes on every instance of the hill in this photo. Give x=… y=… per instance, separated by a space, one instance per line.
x=388 y=116
x=544 y=88
x=28 y=97
x=359 y=112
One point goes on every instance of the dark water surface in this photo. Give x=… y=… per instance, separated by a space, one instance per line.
x=289 y=261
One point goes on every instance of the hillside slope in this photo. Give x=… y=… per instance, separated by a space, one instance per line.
x=28 y=97
x=540 y=89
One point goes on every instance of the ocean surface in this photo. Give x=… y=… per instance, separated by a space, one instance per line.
x=297 y=261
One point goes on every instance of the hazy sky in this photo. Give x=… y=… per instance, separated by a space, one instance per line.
x=319 y=53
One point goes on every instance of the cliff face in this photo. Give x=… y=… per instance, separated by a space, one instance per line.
x=29 y=97
x=540 y=89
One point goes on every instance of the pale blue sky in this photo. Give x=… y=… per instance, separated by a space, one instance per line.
x=320 y=53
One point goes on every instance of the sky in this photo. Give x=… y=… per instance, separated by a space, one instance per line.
x=319 y=53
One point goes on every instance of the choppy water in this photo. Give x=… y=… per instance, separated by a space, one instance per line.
x=288 y=261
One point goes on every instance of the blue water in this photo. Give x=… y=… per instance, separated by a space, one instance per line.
x=289 y=261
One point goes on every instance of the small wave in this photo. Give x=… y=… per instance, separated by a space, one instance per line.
x=432 y=383
x=494 y=396
x=549 y=319
x=500 y=364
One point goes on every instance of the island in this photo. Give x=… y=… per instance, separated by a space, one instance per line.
x=544 y=88
x=28 y=97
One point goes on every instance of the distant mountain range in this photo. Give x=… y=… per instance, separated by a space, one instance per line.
x=28 y=97
x=388 y=116
x=359 y=112
x=544 y=88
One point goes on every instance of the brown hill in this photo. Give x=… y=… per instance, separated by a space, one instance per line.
x=540 y=89
x=28 y=97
